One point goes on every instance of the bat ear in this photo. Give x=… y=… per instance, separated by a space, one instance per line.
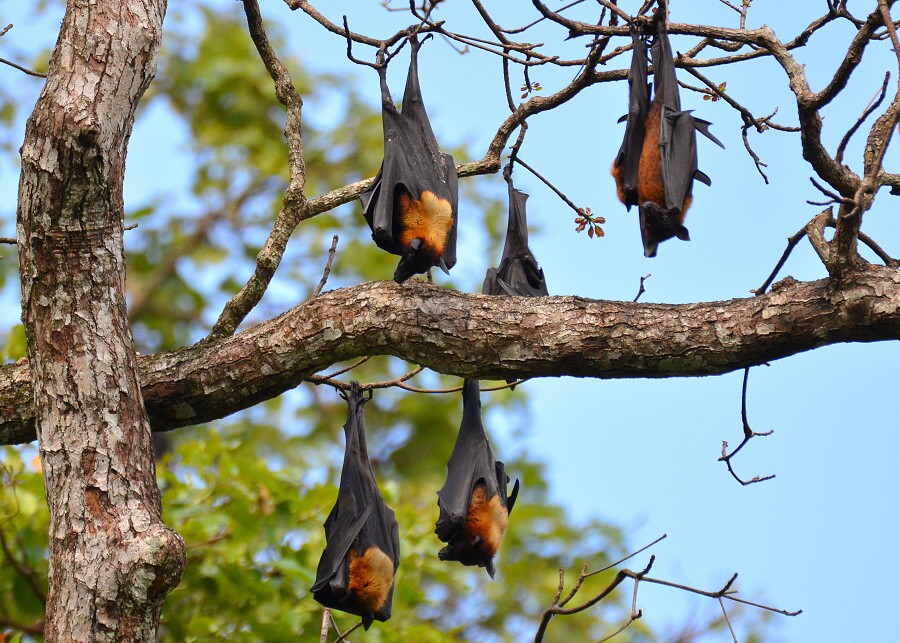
x=702 y=177
x=367 y=621
x=682 y=233
x=511 y=501
x=443 y=266
x=491 y=570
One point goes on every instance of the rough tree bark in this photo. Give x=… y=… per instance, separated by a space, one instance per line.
x=495 y=337
x=112 y=561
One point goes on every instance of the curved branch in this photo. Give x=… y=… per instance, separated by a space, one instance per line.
x=493 y=338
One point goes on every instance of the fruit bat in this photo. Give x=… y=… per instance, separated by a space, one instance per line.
x=518 y=272
x=474 y=507
x=362 y=551
x=412 y=205
x=657 y=163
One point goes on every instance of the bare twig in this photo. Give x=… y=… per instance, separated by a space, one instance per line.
x=350 y=49
x=327 y=271
x=727 y=621
x=833 y=197
x=878 y=250
x=793 y=240
x=631 y=555
x=343 y=637
x=10 y=240
x=326 y=626
x=24 y=70
x=871 y=107
x=748 y=435
x=295 y=207
x=359 y=362
x=557 y=607
x=541 y=19
x=641 y=289
x=556 y=191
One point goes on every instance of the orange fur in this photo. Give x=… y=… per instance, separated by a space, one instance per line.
x=370 y=579
x=486 y=520
x=650 y=181
x=429 y=219
x=617 y=172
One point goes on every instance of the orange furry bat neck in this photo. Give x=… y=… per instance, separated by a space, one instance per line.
x=429 y=219
x=370 y=579
x=485 y=527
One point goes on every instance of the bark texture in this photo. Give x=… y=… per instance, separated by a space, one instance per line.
x=496 y=337
x=112 y=561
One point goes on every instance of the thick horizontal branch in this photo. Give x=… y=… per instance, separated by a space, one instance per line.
x=494 y=338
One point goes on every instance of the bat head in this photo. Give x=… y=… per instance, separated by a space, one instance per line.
x=479 y=539
x=425 y=225
x=659 y=224
x=416 y=258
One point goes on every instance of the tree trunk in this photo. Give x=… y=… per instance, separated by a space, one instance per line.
x=112 y=561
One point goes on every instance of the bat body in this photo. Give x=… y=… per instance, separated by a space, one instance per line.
x=412 y=205
x=474 y=507
x=362 y=551
x=657 y=163
x=518 y=272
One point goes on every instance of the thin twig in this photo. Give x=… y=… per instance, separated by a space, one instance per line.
x=327 y=271
x=10 y=240
x=359 y=362
x=326 y=626
x=22 y=69
x=832 y=196
x=562 y=196
x=294 y=208
x=350 y=49
x=792 y=241
x=749 y=434
x=878 y=250
x=871 y=107
x=641 y=289
x=727 y=622
x=343 y=637
x=631 y=555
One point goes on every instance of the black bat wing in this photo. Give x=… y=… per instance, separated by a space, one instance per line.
x=359 y=520
x=678 y=128
x=412 y=162
x=472 y=461
x=629 y=156
x=519 y=273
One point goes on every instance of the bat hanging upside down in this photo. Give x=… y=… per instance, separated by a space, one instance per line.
x=412 y=205
x=362 y=551
x=474 y=507
x=657 y=163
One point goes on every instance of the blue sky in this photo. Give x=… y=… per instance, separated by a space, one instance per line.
x=821 y=536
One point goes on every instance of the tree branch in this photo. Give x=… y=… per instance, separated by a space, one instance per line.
x=493 y=338
x=295 y=207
